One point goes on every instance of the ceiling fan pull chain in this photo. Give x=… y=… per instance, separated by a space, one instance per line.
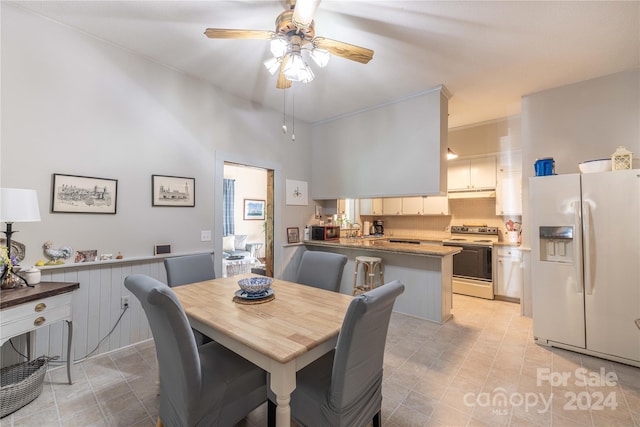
x=293 y=115
x=284 y=111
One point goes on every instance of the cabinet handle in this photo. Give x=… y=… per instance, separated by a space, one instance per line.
x=40 y=306
x=638 y=323
x=39 y=321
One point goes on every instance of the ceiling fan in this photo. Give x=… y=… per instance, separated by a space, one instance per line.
x=294 y=33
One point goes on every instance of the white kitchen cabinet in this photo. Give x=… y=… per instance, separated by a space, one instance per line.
x=435 y=205
x=509 y=193
x=392 y=206
x=472 y=174
x=508 y=269
x=371 y=206
x=412 y=205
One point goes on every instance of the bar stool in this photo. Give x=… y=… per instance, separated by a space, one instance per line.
x=368 y=281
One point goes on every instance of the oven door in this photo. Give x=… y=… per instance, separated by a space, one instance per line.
x=474 y=262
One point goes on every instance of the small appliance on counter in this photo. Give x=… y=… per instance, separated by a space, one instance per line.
x=325 y=232
x=378 y=227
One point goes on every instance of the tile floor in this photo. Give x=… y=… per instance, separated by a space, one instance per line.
x=479 y=369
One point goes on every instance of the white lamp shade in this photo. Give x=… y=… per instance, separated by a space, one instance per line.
x=320 y=56
x=273 y=64
x=279 y=47
x=297 y=70
x=19 y=205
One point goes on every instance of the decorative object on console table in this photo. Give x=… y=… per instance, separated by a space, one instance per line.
x=83 y=194
x=54 y=255
x=293 y=235
x=16 y=205
x=173 y=191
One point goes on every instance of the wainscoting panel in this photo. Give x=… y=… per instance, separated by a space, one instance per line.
x=96 y=310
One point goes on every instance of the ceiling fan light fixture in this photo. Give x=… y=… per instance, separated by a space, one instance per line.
x=320 y=56
x=297 y=70
x=279 y=47
x=273 y=64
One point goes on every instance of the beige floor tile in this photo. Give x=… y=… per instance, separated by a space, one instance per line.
x=445 y=415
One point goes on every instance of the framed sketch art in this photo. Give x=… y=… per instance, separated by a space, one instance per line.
x=173 y=191
x=296 y=192
x=83 y=194
x=254 y=209
x=293 y=235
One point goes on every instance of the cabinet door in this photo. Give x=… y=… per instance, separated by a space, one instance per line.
x=412 y=205
x=365 y=207
x=341 y=206
x=509 y=277
x=509 y=194
x=435 y=205
x=458 y=177
x=482 y=173
x=392 y=206
x=376 y=206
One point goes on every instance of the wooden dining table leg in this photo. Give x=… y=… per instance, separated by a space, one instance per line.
x=283 y=382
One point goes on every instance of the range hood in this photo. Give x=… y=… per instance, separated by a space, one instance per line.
x=480 y=194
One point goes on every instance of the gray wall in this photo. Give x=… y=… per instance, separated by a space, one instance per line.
x=75 y=105
x=578 y=122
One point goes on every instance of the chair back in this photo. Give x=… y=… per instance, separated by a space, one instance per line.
x=356 y=379
x=178 y=359
x=189 y=269
x=321 y=270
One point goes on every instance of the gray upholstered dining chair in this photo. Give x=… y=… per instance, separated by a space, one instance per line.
x=321 y=270
x=190 y=269
x=344 y=387
x=199 y=386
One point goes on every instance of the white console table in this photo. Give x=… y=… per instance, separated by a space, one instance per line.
x=23 y=310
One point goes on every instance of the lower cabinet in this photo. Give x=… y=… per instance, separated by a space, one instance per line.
x=508 y=272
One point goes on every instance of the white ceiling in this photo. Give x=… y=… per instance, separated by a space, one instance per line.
x=487 y=54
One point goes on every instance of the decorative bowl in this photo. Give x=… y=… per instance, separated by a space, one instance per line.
x=597 y=165
x=255 y=285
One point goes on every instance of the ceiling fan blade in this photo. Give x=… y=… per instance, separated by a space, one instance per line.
x=220 y=33
x=283 y=82
x=345 y=50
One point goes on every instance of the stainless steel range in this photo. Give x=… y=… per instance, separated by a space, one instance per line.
x=472 y=268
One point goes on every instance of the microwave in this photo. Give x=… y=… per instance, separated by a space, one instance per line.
x=325 y=232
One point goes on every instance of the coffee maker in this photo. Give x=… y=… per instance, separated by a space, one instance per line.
x=378 y=227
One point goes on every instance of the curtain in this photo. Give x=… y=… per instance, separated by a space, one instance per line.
x=228 y=194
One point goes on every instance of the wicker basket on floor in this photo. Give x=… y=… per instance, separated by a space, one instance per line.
x=21 y=383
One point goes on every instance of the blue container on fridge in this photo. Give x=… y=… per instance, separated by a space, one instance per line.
x=545 y=166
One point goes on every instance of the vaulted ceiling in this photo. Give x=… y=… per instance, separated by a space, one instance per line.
x=487 y=54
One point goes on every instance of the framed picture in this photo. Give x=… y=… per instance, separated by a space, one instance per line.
x=173 y=191
x=293 y=235
x=86 y=256
x=297 y=193
x=254 y=209
x=83 y=194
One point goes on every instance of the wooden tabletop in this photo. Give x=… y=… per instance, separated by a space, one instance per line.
x=298 y=319
x=12 y=297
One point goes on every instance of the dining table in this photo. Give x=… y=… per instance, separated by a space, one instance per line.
x=281 y=335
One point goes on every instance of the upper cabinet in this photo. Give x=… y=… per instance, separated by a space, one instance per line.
x=472 y=174
x=371 y=206
x=436 y=205
x=509 y=184
x=392 y=206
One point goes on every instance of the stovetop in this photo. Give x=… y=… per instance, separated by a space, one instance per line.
x=473 y=234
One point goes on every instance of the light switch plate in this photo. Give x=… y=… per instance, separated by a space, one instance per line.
x=205 y=235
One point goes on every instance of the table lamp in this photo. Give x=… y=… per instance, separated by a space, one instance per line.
x=17 y=205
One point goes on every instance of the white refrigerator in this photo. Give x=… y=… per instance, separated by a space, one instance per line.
x=585 y=251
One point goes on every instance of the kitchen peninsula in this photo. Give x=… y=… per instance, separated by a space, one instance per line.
x=425 y=269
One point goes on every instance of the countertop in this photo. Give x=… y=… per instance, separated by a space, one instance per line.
x=382 y=244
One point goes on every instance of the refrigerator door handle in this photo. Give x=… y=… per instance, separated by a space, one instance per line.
x=586 y=241
x=638 y=323
x=578 y=244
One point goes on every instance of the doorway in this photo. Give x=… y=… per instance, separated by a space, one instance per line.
x=248 y=200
